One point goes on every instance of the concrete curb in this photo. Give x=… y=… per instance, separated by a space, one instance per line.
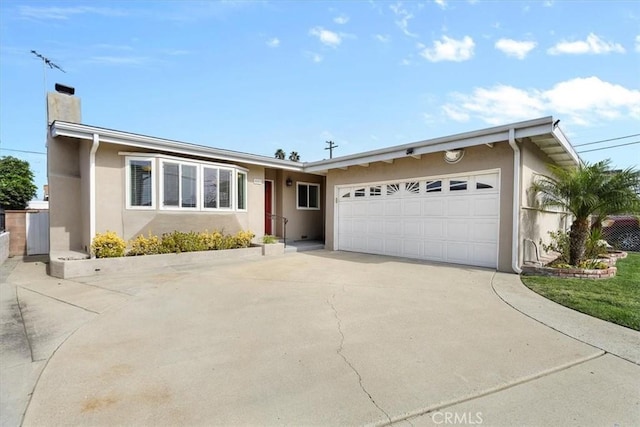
x=617 y=340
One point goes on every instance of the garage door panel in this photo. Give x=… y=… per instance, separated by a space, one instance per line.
x=361 y=209
x=392 y=208
x=412 y=207
x=434 y=250
x=412 y=248
x=486 y=206
x=375 y=245
x=458 y=206
x=376 y=208
x=433 y=228
x=457 y=230
x=433 y=207
x=484 y=231
x=393 y=247
x=345 y=209
x=484 y=254
x=411 y=228
x=393 y=228
x=359 y=227
x=359 y=243
x=457 y=252
x=459 y=226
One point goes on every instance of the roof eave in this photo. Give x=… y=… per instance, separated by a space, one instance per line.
x=80 y=131
x=463 y=140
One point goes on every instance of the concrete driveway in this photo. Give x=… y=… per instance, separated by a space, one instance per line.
x=313 y=338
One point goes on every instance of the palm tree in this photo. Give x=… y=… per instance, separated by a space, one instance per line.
x=585 y=191
x=294 y=156
x=280 y=154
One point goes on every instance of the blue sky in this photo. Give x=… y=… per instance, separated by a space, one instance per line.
x=258 y=76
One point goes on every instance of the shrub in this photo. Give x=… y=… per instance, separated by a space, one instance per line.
x=560 y=243
x=269 y=239
x=145 y=245
x=243 y=239
x=178 y=241
x=108 y=245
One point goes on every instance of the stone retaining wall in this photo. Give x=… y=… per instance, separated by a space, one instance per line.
x=578 y=273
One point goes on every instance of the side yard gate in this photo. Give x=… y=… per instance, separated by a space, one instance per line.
x=37 y=224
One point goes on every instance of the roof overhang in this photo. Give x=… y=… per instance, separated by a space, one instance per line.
x=80 y=131
x=541 y=132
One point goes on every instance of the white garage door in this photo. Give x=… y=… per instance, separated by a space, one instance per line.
x=449 y=219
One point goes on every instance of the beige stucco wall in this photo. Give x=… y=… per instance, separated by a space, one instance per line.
x=111 y=212
x=475 y=158
x=65 y=199
x=535 y=224
x=303 y=224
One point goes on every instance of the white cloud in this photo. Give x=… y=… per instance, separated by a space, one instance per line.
x=342 y=19
x=403 y=17
x=519 y=49
x=592 y=45
x=315 y=57
x=65 y=13
x=548 y=3
x=120 y=60
x=326 y=37
x=273 y=42
x=441 y=3
x=449 y=50
x=638 y=43
x=383 y=38
x=581 y=100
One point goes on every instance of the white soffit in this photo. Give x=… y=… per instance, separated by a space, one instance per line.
x=80 y=131
x=538 y=131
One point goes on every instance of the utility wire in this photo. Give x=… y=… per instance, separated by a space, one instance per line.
x=607 y=140
x=606 y=148
x=22 y=151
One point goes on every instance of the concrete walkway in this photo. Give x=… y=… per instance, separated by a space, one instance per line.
x=311 y=338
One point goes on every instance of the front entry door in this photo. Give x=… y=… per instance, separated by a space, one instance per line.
x=268 y=207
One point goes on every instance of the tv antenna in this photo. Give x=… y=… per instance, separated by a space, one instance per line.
x=46 y=62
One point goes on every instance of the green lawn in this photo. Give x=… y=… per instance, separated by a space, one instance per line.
x=616 y=300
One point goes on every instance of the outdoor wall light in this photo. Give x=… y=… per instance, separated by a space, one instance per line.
x=289 y=182
x=453 y=156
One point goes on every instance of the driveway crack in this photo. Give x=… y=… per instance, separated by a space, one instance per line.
x=340 y=353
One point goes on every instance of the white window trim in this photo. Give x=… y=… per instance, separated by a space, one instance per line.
x=161 y=186
x=245 y=194
x=127 y=173
x=232 y=202
x=308 y=184
x=157 y=182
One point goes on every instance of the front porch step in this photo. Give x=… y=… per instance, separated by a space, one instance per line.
x=303 y=246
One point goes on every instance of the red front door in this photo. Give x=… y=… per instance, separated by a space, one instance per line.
x=268 y=207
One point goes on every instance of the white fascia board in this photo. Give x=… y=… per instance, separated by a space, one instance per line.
x=566 y=145
x=534 y=127
x=80 y=131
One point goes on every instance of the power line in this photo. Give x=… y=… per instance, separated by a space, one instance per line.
x=606 y=148
x=607 y=140
x=22 y=151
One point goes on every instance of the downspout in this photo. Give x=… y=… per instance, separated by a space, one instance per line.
x=92 y=186
x=515 y=232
